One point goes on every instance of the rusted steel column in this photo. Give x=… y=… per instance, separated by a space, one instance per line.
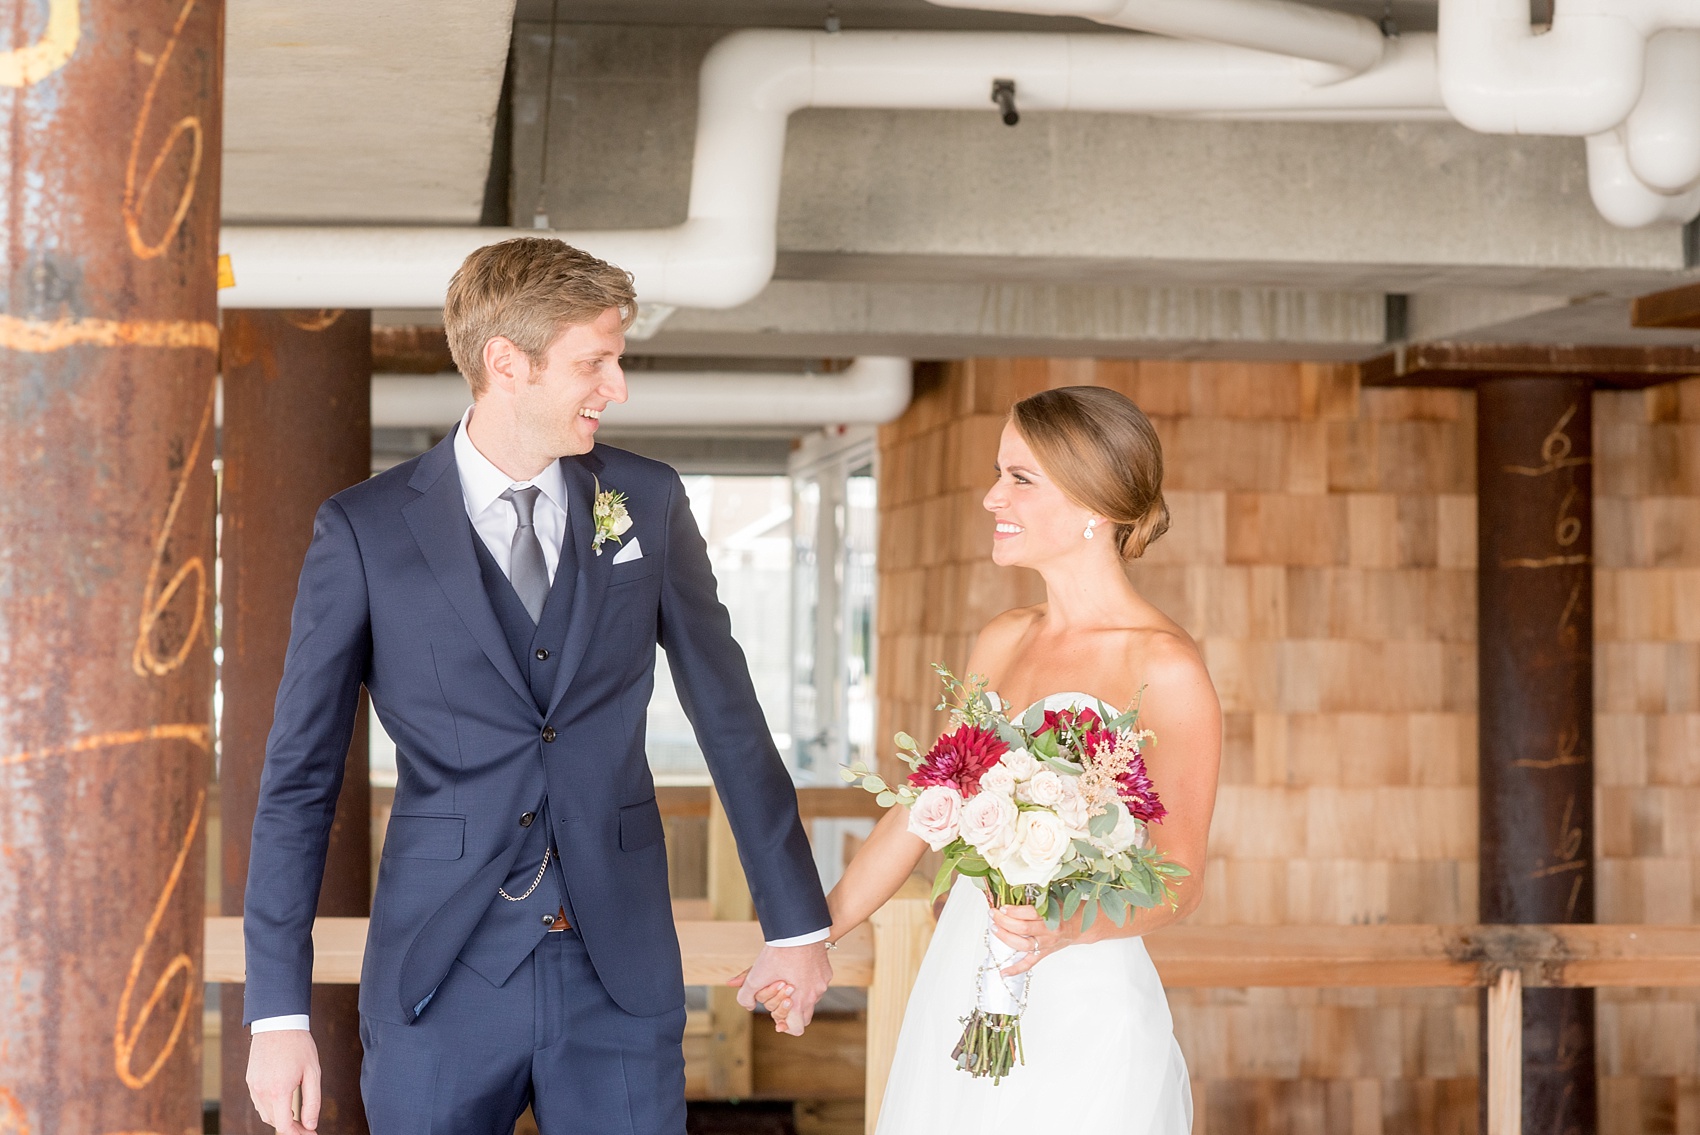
x=297 y=428
x=109 y=163
x=1534 y=456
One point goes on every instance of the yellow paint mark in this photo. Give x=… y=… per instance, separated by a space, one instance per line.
x=124 y=1039
x=189 y=124
x=25 y=65
x=226 y=274
x=199 y=736
x=43 y=336
x=155 y=600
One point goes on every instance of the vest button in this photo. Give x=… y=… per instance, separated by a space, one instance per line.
x=542 y=655
x=548 y=920
x=548 y=733
x=525 y=820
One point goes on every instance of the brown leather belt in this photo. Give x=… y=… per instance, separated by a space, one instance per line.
x=560 y=922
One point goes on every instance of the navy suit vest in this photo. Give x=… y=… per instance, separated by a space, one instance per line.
x=510 y=930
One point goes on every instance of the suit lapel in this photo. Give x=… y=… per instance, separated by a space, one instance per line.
x=592 y=570
x=440 y=527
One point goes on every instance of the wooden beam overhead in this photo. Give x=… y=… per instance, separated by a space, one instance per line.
x=1465 y=364
x=1676 y=307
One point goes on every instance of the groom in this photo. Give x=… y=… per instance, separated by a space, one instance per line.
x=521 y=947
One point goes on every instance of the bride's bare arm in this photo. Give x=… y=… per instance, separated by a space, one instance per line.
x=1181 y=708
x=888 y=857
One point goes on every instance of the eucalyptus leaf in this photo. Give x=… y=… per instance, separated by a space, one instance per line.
x=1085 y=850
x=904 y=741
x=886 y=799
x=848 y=775
x=1056 y=764
x=1115 y=905
x=1089 y=913
x=1071 y=904
x=1008 y=733
x=874 y=782
x=1034 y=719
x=1102 y=825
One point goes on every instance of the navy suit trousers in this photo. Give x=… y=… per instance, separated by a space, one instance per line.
x=549 y=1036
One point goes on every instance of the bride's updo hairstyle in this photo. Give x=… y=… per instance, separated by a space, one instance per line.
x=1104 y=455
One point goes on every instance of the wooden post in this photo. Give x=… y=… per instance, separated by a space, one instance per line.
x=297 y=429
x=902 y=929
x=1536 y=717
x=108 y=352
x=1505 y=1054
x=730 y=1075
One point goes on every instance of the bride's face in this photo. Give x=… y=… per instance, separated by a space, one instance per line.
x=1036 y=523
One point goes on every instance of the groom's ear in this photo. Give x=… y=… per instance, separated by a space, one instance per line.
x=505 y=365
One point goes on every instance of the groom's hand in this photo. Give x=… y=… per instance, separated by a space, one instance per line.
x=279 y=1063
x=804 y=968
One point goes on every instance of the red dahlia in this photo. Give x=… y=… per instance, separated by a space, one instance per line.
x=960 y=759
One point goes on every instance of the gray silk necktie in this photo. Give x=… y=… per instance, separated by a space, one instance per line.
x=527 y=570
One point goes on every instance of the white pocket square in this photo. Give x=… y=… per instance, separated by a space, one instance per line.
x=629 y=551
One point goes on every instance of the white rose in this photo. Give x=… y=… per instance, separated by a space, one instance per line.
x=935 y=814
x=1128 y=832
x=1020 y=764
x=997 y=779
x=622 y=522
x=1045 y=788
x=988 y=823
x=1040 y=843
x=1072 y=809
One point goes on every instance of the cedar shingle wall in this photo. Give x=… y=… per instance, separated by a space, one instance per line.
x=1323 y=554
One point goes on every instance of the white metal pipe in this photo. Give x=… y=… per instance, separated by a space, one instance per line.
x=1348 y=43
x=751 y=81
x=872 y=390
x=1623 y=198
x=1662 y=133
x=1580 y=78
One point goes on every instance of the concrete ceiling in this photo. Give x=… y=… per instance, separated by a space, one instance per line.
x=929 y=232
x=381 y=110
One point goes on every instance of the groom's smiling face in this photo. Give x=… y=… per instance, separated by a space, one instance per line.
x=559 y=403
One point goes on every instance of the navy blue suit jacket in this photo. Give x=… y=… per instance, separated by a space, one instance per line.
x=390 y=597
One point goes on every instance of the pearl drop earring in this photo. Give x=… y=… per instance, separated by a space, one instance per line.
x=1090 y=525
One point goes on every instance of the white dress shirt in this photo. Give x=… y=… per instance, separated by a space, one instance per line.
x=495 y=521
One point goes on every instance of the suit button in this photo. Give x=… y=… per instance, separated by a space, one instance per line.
x=525 y=820
x=542 y=655
x=548 y=920
x=548 y=733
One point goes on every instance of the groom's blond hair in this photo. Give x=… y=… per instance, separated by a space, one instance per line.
x=528 y=290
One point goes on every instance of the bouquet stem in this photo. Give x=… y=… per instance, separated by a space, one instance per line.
x=991 y=1035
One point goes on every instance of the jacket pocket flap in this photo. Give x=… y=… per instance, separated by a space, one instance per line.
x=640 y=826
x=425 y=837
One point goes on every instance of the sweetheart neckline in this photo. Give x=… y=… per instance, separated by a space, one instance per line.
x=1002 y=705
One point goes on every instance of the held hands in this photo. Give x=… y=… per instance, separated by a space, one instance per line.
x=280 y=1064
x=788 y=981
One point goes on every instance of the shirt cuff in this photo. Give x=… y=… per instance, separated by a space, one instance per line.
x=278 y=1024
x=804 y=939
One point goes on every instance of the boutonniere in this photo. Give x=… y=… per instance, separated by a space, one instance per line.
x=610 y=516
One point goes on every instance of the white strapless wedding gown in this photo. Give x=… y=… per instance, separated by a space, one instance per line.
x=1100 y=1047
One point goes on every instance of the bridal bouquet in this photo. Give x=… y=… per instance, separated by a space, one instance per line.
x=1050 y=810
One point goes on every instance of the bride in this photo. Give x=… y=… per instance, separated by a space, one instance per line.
x=1078 y=494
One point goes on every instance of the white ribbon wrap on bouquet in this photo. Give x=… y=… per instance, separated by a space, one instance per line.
x=1000 y=994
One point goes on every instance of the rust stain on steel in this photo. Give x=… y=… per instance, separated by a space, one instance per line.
x=108 y=324
x=1536 y=714
x=297 y=429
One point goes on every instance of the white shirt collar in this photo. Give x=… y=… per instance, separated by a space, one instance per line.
x=482 y=484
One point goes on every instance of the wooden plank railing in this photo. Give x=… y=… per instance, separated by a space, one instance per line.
x=885 y=959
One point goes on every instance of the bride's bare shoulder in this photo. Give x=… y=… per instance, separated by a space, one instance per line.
x=1171 y=665
x=999 y=638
